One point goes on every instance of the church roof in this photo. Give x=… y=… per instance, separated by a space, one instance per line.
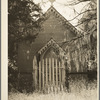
x=58 y=33
x=68 y=24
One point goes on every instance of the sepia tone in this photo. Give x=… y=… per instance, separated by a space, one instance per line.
x=61 y=59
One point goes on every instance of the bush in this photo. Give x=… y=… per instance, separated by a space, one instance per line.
x=25 y=82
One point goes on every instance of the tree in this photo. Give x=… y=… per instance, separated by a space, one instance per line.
x=88 y=30
x=88 y=25
x=24 y=18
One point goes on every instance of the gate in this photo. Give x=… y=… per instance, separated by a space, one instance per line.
x=49 y=75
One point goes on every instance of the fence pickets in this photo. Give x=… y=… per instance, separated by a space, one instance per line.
x=51 y=74
x=43 y=74
x=59 y=73
x=46 y=73
x=63 y=73
x=39 y=76
x=49 y=71
x=35 y=72
x=53 y=77
x=56 y=73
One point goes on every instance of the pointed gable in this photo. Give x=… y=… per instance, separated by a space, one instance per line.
x=54 y=26
x=51 y=43
x=52 y=10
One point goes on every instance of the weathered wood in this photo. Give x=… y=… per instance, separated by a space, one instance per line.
x=46 y=72
x=51 y=88
x=49 y=71
x=48 y=90
x=63 y=73
x=59 y=73
x=40 y=75
x=53 y=80
x=51 y=75
x=56 y=73
x=62 y=87
x=43 y=73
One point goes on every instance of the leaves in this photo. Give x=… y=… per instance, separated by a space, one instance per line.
x=21 y=23
x=21 y=27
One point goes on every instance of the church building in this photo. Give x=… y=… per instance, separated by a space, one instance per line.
x=48 y=57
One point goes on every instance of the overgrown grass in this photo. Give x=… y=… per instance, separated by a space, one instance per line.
x=80 y=89
x=83 y=95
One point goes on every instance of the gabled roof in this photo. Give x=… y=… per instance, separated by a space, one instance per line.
x=51 y=43
x=71 y=27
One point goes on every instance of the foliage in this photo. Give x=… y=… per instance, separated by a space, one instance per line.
x=85 y=44
x=26 y=83
x=77 y=92
x=23 y=21
x=88 y=24
x=24 y=18
x=12 y=76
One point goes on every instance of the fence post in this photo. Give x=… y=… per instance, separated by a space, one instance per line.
x=56 y=74
x=49 y=71
x=39 y=75
x=34 y=72
x=53 y=80
x=43 y=74
x=63 y=73
x=46 y=73
x=36 y=83
x=59 y=73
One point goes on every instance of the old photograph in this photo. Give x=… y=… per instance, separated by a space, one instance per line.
x=52 y=50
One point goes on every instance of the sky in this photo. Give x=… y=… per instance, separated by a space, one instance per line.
x=69 y=12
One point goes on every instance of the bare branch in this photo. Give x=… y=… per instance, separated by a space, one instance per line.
x=84 y=21
x=81 y=14
x=73 y=2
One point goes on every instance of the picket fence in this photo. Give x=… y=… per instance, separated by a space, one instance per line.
x=48 y=74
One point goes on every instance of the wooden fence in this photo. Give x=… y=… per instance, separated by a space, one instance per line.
x=48 y=75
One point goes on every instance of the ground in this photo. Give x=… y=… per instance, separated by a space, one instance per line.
x=79 y=90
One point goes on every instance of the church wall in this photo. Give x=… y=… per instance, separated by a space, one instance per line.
x=24 y=58
x=52 y=27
